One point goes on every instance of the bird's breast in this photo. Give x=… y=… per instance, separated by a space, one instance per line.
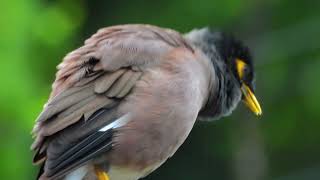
x=163 y=108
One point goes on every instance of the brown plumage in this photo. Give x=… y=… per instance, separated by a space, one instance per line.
x=125 y=101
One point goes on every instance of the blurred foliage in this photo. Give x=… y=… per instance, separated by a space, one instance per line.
x=283 y=35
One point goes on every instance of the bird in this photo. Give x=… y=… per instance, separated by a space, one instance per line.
x=125 y=101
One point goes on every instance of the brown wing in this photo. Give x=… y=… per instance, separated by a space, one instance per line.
x=97 y=76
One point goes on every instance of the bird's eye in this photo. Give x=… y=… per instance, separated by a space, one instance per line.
x=242 y=69
x=246 y=71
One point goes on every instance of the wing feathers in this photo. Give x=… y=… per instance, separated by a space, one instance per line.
x=105 y=82
x=68 y=106
x=104 y=147
x=64 y=101
x=87 y=145
x=129 y=85
x=118 y=85
x=89 y=148
x=91 y=145
x=95 y=103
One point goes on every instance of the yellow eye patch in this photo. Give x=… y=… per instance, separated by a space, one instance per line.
x=240 y=67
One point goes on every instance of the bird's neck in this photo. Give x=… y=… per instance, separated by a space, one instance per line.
x=223 y=94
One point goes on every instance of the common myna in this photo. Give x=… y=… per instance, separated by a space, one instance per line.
x=124 y=102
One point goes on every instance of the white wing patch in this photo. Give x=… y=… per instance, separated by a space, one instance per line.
x=116 y=124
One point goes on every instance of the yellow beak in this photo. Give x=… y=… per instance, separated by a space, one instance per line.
x=250 y=100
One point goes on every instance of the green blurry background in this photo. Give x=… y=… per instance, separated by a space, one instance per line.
x=284 y=35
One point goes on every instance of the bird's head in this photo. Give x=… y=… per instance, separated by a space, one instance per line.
x=233 y=65
x=238 y=60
